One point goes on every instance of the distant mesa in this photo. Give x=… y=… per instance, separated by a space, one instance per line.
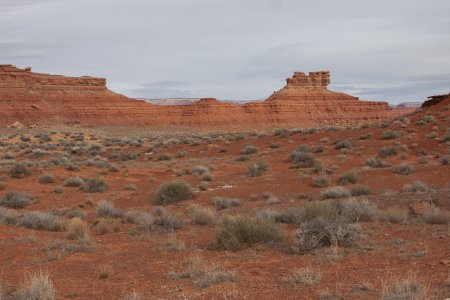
x=34 y=98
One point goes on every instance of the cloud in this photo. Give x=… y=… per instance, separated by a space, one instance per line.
x=162 y=89
x=21 y=50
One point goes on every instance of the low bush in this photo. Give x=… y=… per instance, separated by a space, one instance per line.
x=237 y=232
x=19 y=170
x=404 y=288
x=348 y=178
x=387 y=151
x=94 y=185
x=303 y=276
x=173 y=192
x=164 y=157
x=249 y=149
x=8 y=216
x=201 y=215
x=360 y=191
x=395 y=215
x=403 y=170
x=163 y=218
x=106 y=208
x=434 y=215
x=42 y=221
x=375 y=162
x=335 y=193
x=302 y=159
x=344 y=144
x=390 y=135
x=224 y=203
x=320 y=232
x=46 y=178
x=257 y=169
x=414 y=187
x=15 y=199
x=321 y=181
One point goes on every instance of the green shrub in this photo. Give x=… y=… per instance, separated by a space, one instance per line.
x=172 y=192
x=239 y=232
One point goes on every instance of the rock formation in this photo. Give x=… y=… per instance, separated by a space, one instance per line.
x=30 y=98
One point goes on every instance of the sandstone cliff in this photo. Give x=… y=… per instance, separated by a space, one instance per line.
x=30 y=98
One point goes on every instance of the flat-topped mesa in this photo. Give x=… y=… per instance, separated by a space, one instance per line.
x=320 y=79
x=11 y=76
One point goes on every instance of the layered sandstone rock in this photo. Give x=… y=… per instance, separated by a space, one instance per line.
x=30 y=98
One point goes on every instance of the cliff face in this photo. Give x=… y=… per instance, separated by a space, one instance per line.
x=31 y=98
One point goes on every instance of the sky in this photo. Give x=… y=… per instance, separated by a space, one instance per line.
x=386 y=50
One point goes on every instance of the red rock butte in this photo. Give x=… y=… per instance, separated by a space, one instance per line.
x=34 y=98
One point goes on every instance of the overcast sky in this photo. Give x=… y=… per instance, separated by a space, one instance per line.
x=394 y=50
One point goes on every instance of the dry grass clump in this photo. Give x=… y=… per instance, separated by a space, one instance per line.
x=391 y=135
x=238 y=232
x=320 y=232
x=199 y=170
x=204 y=275
x=38 y=286
x=94 y=185
x=201 y=215
x=335 y=193
x=375 y=162
x=434 y=215
x=356 y=210
x=407 y=288
x=303 y=276
x=173 y=192
x=301 y=159
x=77 y=229
x=360 y=190
x=249 y=149
x=387 y=151
x=73 y=181
x=132 y=296
x=15 y=199
x=8 y=216
x=414 y=187
x=163 y=218
x=224 y=203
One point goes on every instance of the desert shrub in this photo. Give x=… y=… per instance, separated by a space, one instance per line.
x=19 y=170
x=387 y=151
x=321 y=181
x=275 y=145
x=390 y=135
x=165 y=219
x=305 y=276
x=257 y=169
x=94 y=185
x=37 y=287
x=408 y=288
x=8 y=216
x=249 y=149
x=42 y=221
x=163 y=157
x=281 y=132
x=204 y=275
x=106 y=208
x=433 y=215
x=130 y=187
x=203 y=186
x=315 y=209
x=445 y=160
x=375 y=162
x=132 y=296
x=25 y=138
x=291 y=215
x=403 y=170
x=15 y=199
x=58 y=190
x=172 y=192
x=348 y=178
x=395 y=215
x=199 y=170
x=414 y=187
x=137 y=217
x=303 y=149
x=201 y=215
x=344 y=144
x=302 y=159
x=365 y=136
x=207 y=177
x=224 y=203
x=320 y=232
x=237 y=232
x=46 y=178
x=335 y=193
x=445 y=138
x=180 y=154
x=76 y=213
x=77 y=229
x=356 y=210
x=360 y=191
x=243 y=158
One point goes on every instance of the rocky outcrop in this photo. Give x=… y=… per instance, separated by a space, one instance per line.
x=30 y=98
x=435 y=100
